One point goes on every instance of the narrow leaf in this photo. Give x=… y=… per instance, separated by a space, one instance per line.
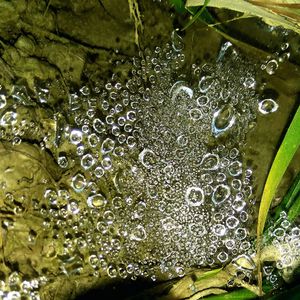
x=294 y=211
x=271 y=17
x=289 y=198
x=197 y=15
x=208 y=274
x=286 y=151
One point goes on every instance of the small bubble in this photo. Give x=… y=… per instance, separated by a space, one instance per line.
x=221 y=194
x=96 y=201
x=267 y=106
x=78 y=182
x=271 y=66
x=75 y=136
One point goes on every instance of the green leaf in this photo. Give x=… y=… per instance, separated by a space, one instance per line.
x=197 y=15
x=240 y=294
x=179 y=5
x=289 y=198
x=208 y=274
x=294 y=211
x=276 y=13
x=290 y=294
x=286 y=151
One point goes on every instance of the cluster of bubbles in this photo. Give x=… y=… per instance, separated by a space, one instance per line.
x=284 y=236
x=157 y=181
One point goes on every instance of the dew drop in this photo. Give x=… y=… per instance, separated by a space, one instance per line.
x=221 y=194
x=147 y=158
x=194 y=196
x=223 y=119
x=96 y=201
x=78 y=182
x=210 y=162
x=267 y=106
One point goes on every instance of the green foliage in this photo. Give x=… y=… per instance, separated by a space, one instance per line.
x=285 y=154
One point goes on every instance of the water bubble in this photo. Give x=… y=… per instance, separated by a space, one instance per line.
x=177 y=42
x=78 y=182
x=112 y=271
x=205 y=83
x=202 y=100
x=222 y=257
x=179 y=88
x=221 y=194
x=9 y=118
x=210 y=162
x=232 y=222
x=96 y=201
x=107 y=146
x=267 y=106
x=138 y=233
x=76 y=136
x=241 y=233
x=194 y=196
x=93 y=140
x=219 y=229
x=50 y=196
x=195 y=114
x=238 y=204
x=235 y=168
x=106 y=163
x=271 y=66
x=147 y=158
x=223 y=119
x=99 y=126
x=62 y=160
x=87 y=161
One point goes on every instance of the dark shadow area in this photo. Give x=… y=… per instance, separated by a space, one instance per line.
x=125 y=289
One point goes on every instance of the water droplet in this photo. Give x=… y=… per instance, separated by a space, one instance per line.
x=235 y=168
x=267 y=106
x=223 y=119
x=210 y=162
x=232 y=222
x=202 y=100
x=78 y=182
x=194 y=196
x=205 y=83
x=87 y=161
x=221 y=194
x=177 y=42
x=96 y=201
x=222 y=257
x=179 y=88
x=75 y=136
x=138 y=234
x=93 y=140
x=195 y=114
x=62 y=160
x=271 y=66
x=107 y=146
x=147 y=158
x=99 y=126
x=219 y=229
x=106 y=163
x=9 y=118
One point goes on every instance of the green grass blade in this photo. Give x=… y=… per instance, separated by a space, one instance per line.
x=289 y=198
x=179 y=5
x=208 y=274
x=286 y=151
x=294 y=211
x=197 y=15
x=234 y=295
